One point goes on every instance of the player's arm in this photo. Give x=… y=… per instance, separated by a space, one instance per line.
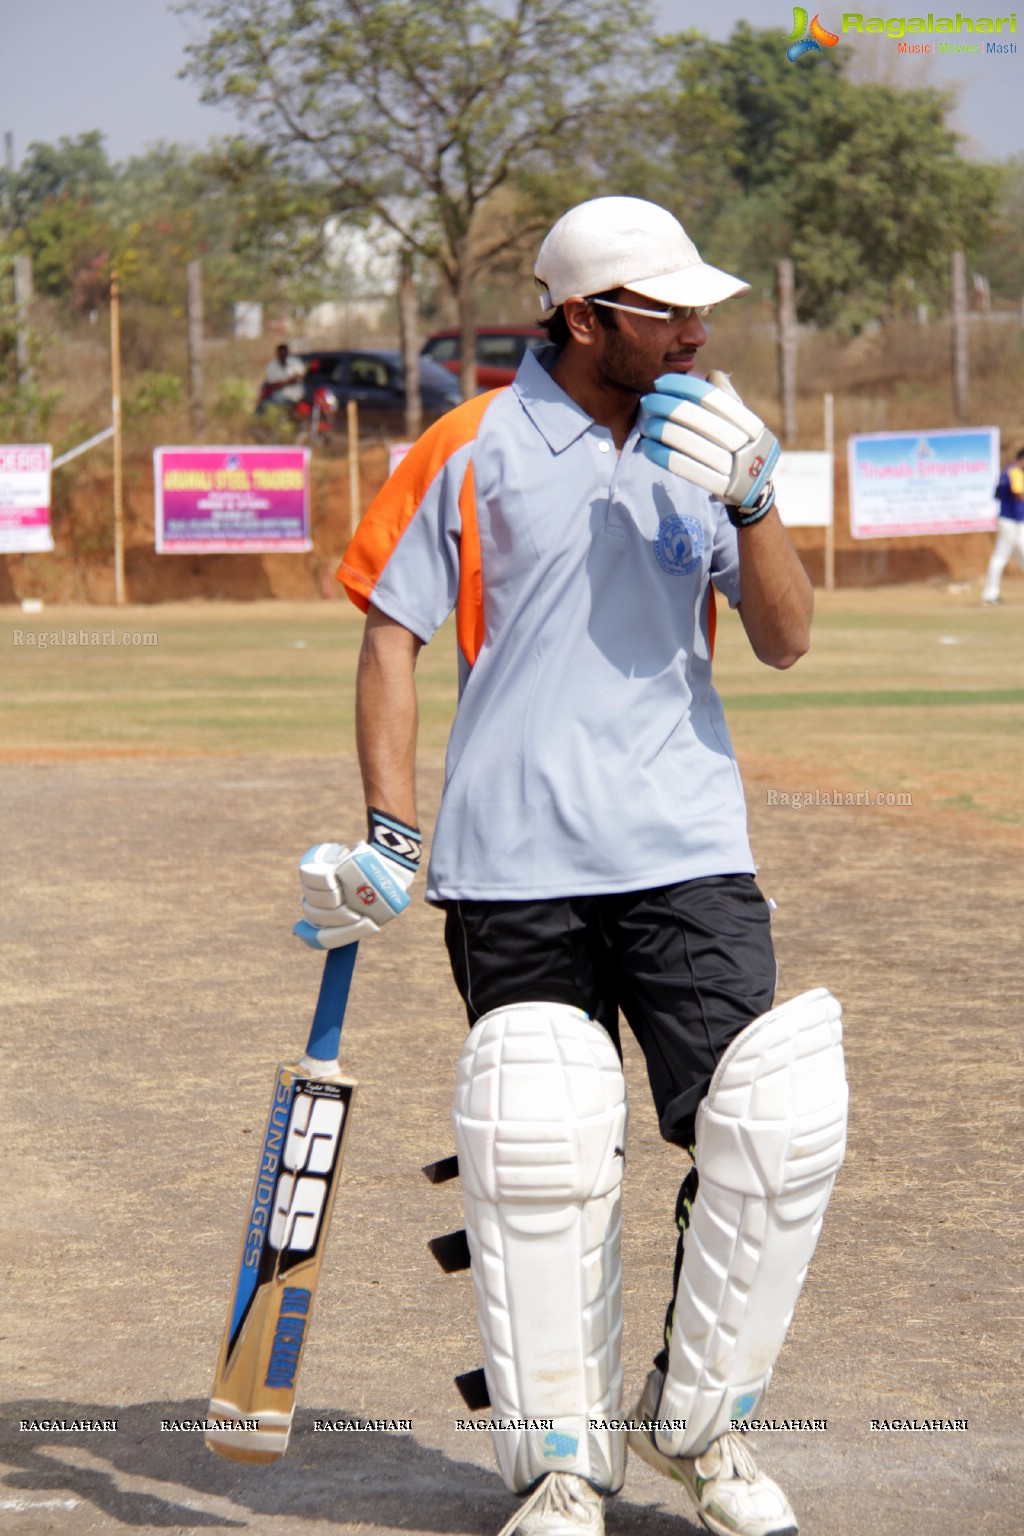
x=701 y=430
x=387 y=715
x=776 y=597
x=406 y=546
x=350 y=893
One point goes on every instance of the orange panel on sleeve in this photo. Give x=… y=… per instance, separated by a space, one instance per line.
x=469 y=617
x=396 y=503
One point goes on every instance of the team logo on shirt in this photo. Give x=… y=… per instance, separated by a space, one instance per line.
x=679 y=544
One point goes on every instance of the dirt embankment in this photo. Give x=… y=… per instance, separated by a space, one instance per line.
x=81 y=568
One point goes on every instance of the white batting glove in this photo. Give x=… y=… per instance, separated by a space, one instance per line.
x=350 y=893
x=701 y=430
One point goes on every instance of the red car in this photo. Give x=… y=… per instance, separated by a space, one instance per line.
x=499 y=351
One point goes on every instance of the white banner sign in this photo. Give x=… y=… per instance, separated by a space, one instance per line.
x=803 y=489
x=25 y=498
x=913 y=483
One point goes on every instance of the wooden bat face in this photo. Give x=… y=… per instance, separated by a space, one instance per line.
x=254 y=1389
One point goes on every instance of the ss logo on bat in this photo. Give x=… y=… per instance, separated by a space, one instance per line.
x=310 y=1150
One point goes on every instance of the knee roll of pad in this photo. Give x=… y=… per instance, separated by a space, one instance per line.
x=540 y=1128
x=771 y=1135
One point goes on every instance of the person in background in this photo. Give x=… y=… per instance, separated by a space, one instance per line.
x=1010 y=533
x=283 y=380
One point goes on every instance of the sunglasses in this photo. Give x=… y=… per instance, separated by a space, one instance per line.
x=673 y=314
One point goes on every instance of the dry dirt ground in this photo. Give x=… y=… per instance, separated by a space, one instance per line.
x=150 y=985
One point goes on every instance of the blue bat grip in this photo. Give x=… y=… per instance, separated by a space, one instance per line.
x=325 y=1031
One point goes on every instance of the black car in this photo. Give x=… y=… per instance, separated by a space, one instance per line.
x=376 y=382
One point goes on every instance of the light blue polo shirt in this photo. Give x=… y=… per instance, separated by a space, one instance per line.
x=589 y=752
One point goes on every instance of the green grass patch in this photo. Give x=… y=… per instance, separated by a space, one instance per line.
x=225 y=678
x=905 y=689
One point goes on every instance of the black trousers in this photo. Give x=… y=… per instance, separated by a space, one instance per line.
x=688 y=966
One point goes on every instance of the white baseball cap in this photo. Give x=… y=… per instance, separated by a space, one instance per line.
x=625 y=242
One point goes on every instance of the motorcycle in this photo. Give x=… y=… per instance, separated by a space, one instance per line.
x=315 y=412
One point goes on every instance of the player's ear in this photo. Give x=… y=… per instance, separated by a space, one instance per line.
x=581 y=320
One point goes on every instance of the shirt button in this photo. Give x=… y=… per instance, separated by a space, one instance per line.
x=604 y=446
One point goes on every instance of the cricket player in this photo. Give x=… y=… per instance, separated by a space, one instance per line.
x=1010 y=532
x=592 y=858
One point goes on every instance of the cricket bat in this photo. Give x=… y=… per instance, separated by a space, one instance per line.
x=253 y=1400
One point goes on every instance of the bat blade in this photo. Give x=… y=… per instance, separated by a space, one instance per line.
x=253 y=1400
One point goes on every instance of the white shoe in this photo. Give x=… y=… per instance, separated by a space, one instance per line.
x=731 y=1496
x=560 y=1505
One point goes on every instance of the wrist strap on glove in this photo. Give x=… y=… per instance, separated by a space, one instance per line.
x=744 y=519
x=394 y=839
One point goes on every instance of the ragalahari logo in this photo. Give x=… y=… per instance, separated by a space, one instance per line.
x=808 y=39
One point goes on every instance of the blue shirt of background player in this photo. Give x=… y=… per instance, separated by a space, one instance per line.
x=1010 y=490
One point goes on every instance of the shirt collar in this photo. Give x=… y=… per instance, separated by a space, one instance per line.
x=557 y=417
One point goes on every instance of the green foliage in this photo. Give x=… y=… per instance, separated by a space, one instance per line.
x=1001 y=253
x=70 y=170
x=25 y=407
x=26 y=413
x=79 y=219
x=153 y=392
x=750 y=97
x=861 y=185
x=876 y=211
x=257 y=236
x=232 y=409
x=235 y=395
x=54 y=211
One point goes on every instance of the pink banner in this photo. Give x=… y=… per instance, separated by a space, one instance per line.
x=213 y=501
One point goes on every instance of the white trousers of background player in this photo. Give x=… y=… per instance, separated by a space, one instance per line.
x=1009 y=542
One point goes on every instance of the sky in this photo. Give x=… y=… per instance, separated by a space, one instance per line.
x=70 y=66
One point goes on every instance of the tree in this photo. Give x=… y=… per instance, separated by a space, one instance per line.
x=862 y=185
x=419 y=115
x=79 y=217
x=256 y=234
x=71 y=170
x=57 y=205
x=25 y=408
x=876 y=211
x=1001 y=258
x=676 y=141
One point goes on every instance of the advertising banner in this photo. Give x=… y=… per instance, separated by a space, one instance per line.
x=25 y=498
x=914 y=483
x=213 y=501
x=803 y=489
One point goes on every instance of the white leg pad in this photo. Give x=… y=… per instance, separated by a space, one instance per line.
x=540 y=1128
x=771 y=1135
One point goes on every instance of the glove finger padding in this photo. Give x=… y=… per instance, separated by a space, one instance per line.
x=701 y=430
x=348 y=894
